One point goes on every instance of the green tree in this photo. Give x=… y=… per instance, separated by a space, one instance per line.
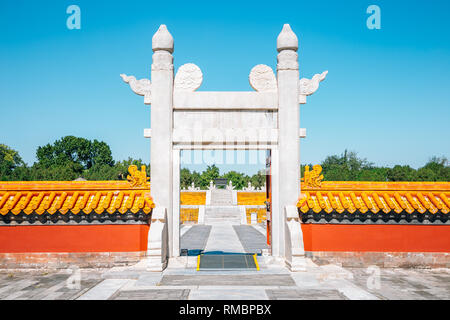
x=100 y=154
x=70 y=149
x=373 y=174
x=345 y=167
x=196 y=178
x=237 y=179
x=186 y=178
x=426 y=174
x=401 y=173
x=59 y=172
x=10 y=160
x=259 y=179
x=436 y=169
x=72 y=157
x=335 y=172
x=211 y=173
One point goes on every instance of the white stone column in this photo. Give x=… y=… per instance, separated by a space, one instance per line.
x=161 y=124
x=289 y=124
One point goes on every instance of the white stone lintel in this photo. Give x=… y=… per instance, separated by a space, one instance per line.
x=232 y=137
x=211 y=100
x=252 y=146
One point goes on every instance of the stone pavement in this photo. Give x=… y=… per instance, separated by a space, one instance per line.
x=223 y=238
x=251 y=238
x=194 y=238
x=222 y=232
x=181 y=281
x=272 y=282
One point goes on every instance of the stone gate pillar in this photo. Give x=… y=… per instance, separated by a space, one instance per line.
x=289 y=124
x=161 y=124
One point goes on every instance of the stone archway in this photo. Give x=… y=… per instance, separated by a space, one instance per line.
x=267 y=118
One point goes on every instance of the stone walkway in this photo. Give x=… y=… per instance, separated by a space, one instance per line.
x=252 y=240
x=181 y=281
x=222 y=232
x=195 y=238
x=272 y=282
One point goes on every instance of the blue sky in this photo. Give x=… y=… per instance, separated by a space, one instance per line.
x=386 y=95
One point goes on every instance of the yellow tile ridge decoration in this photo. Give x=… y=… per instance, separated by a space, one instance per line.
x=137 y=178
x=313 y=178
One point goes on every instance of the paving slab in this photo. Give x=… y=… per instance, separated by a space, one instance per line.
x=251 y=239
x=324 y=282
x=307 y=280
x=155 y=294
x=223 y=239
x=228 y=294
x=229 y=280
x=74 y=293
x=22 y=285
x=302 y=294
x=12 y=287
x=149 y=279
x=352 y=291
x=104 y=290
x=400 y=284
x=195 y=238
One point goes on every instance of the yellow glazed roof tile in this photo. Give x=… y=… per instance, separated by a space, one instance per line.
x=350 y=196
x=62 y=197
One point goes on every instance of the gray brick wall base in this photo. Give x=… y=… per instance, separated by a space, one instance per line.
x=382 y=259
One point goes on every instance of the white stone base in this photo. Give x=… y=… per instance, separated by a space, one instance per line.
x=267 y=262
x=297 y=263
x=151 y=264
x=183 y=262
x=157 y=252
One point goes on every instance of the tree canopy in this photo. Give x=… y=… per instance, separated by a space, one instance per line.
x=202 y=180
x=349 y=167
x=80 y=151
x=66 y=159
x=72 y=157
x=9 y=162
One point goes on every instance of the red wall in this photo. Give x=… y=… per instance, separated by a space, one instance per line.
x=376 y=238
x=317 y=237
x=73 y=238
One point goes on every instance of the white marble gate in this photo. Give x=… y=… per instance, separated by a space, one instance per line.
x=268 y=118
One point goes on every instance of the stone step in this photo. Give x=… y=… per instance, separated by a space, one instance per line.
x=221 y=197
x=222 y=215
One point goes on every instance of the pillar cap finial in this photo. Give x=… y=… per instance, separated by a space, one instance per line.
x=162 y=40
x=287 y=40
